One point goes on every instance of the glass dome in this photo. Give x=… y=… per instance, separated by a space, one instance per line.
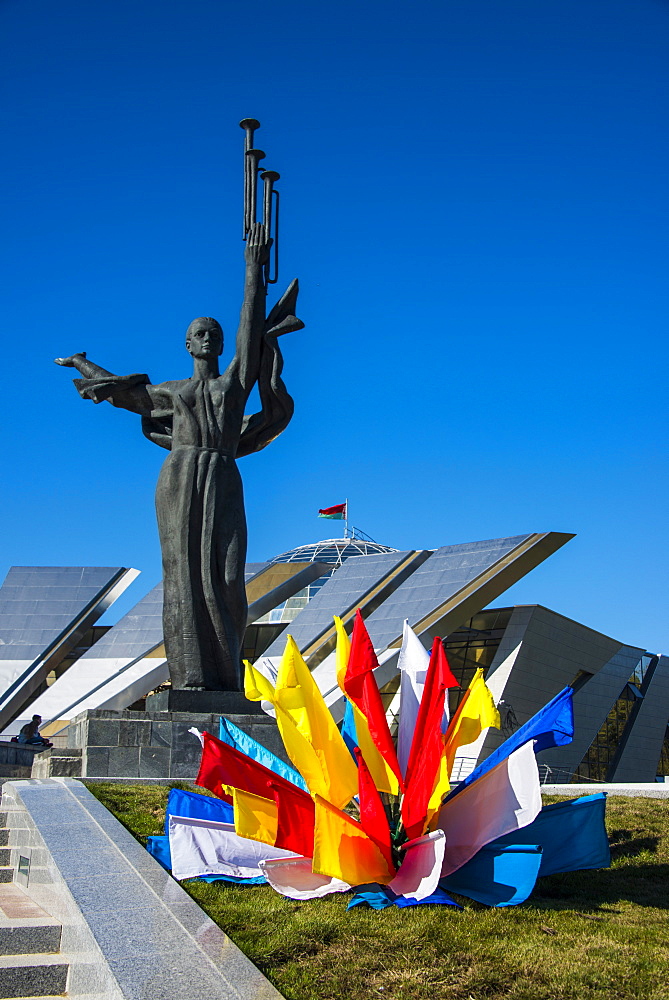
x=330 y=550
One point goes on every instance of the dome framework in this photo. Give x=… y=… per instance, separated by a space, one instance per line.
x=333 y=551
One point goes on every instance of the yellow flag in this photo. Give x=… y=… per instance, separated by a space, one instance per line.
x=475 y=713
x=384 y=777
x=256 y=686
x=343 y=850
x=343 y=651
x=441 y=788
x=310 y=735
x=256 y=818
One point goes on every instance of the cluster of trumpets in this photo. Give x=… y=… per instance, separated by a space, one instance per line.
x=270 y=199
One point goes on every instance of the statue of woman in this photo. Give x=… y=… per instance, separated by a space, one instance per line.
x=199 y=497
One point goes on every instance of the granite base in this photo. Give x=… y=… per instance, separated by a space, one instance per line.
x=106 y=744
x=185 y=700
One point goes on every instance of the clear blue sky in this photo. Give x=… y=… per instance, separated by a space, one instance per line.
x=475 y=201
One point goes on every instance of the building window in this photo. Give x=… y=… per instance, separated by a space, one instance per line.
x=663 y=763
x=597 y=762
x=472 y=646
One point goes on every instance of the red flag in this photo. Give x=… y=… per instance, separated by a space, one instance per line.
x=224 y=765
x=361 y=687
x=427 y=746
x=372 y=814
x=296 y=815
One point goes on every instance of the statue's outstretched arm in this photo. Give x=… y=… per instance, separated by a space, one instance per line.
x=126 y=391
x=245 y=365
x=83 y=366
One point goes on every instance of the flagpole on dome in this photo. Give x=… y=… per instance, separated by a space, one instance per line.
x=346 y=518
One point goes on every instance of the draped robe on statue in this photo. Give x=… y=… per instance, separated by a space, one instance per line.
x=200 y=500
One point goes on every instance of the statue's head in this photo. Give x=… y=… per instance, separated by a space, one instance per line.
x=204 y=338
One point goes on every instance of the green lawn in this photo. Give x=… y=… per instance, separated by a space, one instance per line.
x=594 y=934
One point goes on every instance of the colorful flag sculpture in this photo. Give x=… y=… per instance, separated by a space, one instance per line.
x=349 y=812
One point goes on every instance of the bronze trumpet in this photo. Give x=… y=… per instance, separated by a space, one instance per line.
x=249 y=125
x=271 y=194
x=270 y=218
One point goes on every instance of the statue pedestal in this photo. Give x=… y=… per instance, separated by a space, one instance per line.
x=151 y=745
x=207 y=702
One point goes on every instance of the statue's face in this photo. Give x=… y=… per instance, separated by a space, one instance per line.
x=204 y=340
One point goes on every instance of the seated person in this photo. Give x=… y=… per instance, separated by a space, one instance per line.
x=30 y=733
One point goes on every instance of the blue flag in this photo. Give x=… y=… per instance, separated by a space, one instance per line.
x=197 y=806
x=552 y=726
x=571 y=833
x=235 y=737
x=159 y=848
x=348 y=730
x=378 y=897
x=500 y=874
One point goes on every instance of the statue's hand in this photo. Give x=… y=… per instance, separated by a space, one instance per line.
x=257 y=245
x=70 y=362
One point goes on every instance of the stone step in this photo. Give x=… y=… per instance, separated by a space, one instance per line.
x=25 y=928
x=32 y=976
x=17 y=908
x=6 y=874
x=16 y=771
x=29 y=937
x=4 y=837
x=79 y=996
x=5 y=856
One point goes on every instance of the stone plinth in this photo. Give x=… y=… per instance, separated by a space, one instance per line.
x=16 y=759
x=203 y=702
x=147 y=744
x=58 y=762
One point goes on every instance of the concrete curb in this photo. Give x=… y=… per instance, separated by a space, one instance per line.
x=641 y=789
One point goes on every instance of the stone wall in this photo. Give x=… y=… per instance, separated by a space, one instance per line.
x=128 y=744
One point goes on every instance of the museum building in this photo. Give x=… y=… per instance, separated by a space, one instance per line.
x=56 y=661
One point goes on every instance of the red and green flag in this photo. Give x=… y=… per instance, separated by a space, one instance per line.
x=336 y=513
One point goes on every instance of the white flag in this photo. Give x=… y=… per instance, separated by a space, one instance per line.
x=203 y=847
x=421 y=869
x=504 y=799
x=412 y=664
x=293 y=877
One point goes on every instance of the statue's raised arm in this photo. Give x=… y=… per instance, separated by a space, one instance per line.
x=245 y=366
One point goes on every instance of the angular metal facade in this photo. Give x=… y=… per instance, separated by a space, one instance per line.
x=621 y=700
x=121 y=667
x=44 y=612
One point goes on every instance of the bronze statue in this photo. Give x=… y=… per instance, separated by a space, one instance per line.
x=201 y=421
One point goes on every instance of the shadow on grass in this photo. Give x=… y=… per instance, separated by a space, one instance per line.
x=624 y=844
x=642 y=884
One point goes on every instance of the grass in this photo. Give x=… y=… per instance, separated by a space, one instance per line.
x=581 y=936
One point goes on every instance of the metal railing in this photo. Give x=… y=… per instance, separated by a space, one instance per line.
x=562 y=776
